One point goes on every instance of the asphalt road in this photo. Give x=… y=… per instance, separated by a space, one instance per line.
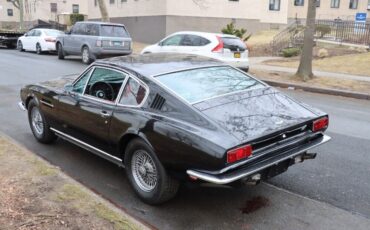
x=330 y=192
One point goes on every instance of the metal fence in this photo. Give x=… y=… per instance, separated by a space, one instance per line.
x=343 y=31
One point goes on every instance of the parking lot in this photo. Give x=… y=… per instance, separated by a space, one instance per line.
x=330 y=192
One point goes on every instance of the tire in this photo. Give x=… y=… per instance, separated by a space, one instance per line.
x=60 y=52
x=151 y=192
x=38 y=49
x=20 y=46
x=87 y=57
x=39 y=126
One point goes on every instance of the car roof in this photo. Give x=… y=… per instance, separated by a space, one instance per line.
x=160 y=63
x=99 y=23
x=205 y=33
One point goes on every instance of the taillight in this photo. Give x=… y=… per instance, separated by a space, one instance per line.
x=320 y=124
x=219 y=46
x=50 y=39
x=98 y=43
x=239 y=153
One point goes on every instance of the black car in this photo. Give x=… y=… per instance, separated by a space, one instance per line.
x=168 y=118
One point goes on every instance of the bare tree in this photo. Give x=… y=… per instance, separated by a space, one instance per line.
x=19 y=5
x=305 y=66
x=103 y=11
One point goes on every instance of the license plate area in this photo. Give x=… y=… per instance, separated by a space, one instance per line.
x=237 y=55
x=117 y=43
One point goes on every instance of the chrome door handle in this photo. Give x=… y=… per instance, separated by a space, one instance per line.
x=105 y=114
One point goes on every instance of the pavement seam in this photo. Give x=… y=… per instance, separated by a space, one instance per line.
x=316 y=201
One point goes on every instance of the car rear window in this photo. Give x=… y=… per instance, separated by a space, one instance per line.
x=233 y=44
x=113 y=31
x=201 y=84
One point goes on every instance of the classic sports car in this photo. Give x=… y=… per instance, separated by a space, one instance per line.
x=168 y=118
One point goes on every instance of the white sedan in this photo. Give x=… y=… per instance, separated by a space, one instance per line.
x=38 y=40
x=227 y=48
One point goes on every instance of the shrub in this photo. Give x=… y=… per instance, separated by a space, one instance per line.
x=323 y=30
x=230 y=29
x=290 y=52
x=76 y=18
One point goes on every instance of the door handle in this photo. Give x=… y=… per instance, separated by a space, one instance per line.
x=104 y=114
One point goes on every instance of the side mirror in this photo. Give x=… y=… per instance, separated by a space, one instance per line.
x=26 y=35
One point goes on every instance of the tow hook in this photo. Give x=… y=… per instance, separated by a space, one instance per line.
x=305 y=156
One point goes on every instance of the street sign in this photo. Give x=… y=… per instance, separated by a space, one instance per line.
x=361 y=17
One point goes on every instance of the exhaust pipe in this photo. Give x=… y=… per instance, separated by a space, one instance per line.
x=305 y=156
x=253 y=180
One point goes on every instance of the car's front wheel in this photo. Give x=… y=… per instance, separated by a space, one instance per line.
x=39 y=126
x=20 y=46
x=146 y=174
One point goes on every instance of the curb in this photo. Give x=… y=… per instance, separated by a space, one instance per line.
x=335 y=92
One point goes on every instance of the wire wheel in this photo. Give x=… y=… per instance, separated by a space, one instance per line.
x=144 y=170
x=85 y=55
x=36 y=121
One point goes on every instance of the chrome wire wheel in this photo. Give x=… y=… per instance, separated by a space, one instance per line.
x=144 y=170
x=36 y=121
x=85 y=55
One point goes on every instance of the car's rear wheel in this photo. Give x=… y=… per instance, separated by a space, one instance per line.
x=146 y=174
x=39 y=126
x=38 y=49
x=20 y=46
x=86 y=55
x=60 y=51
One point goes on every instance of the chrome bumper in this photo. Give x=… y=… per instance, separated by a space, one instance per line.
x=258 y=166
x=21 y=106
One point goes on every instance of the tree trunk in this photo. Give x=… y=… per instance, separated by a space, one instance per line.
x=21 y=10
x=103 y=11
x=305 y=65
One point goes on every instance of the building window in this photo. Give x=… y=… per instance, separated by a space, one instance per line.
x=335 y=3
x=111 y=1
x=368 y=5
x=299 y=2
x=10 y=12
x=75 y=9
x=122 y=1
x=317 y=3
x=53 y=7
x=353 y=4
x=95 y=2
x=274 y=5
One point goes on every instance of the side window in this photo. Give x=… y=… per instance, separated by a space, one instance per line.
x=194 y=40
x=37 y=33
x=30 y=33
x=133 y=93
x=105 y=84
x=92 y=29
x=79 y=86
x=78 y=29
x=172 y=41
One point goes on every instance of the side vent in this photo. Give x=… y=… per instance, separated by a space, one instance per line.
x=158 y=102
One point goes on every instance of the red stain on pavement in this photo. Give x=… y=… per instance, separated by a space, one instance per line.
x=255 y=204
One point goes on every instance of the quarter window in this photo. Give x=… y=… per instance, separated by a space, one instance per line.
x=105 y=84
x=274 y=5
x=194 y=40
x=79 y=86
x=133 y=93
x=335 y=3
x=353 y=4
x=172 y=41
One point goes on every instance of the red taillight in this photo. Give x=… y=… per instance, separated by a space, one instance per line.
x=50 y=39
x=220 y=45
x=320 y=124
x=239 y=153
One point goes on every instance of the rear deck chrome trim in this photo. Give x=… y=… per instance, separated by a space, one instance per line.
x=219 y=179
x=88 y=147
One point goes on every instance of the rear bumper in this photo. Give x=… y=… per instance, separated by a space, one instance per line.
x=257 y=167
x=99 y=52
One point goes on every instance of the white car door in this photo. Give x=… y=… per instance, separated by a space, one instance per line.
x=35 y=38
x=193 y=44
x=27 y=40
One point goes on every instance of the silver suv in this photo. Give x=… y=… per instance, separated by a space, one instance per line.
x=94 y=40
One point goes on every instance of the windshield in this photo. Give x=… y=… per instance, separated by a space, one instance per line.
x=113 y=31
x=54 y=33
x=201 y=84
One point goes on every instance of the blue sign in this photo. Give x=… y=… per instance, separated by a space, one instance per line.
x=361 y=17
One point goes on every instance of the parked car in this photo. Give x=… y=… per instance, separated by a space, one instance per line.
x=39 y=40
x=168 y=118
x=94 y=40
x=227 y=48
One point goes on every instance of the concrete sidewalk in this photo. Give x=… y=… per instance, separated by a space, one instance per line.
x=257 y=64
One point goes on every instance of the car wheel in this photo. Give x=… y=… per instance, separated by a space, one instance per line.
x=60 y=52
x=38 y=49
x=20 y=46
x=86 y=55
x=146 y=174
x=39 y=126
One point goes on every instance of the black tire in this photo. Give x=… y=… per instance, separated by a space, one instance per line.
x=87 y=57
x=60 y=51
x=38 y=49
x=20 y=46
x=44 y=135
x=165 y=187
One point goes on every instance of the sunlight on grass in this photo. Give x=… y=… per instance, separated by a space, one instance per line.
x=262 y=37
